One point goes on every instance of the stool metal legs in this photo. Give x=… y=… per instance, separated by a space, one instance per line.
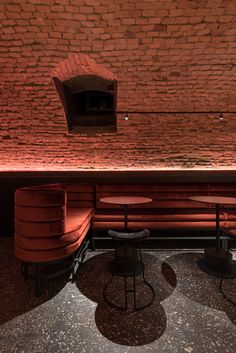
x=147 y=283
x=133 y=289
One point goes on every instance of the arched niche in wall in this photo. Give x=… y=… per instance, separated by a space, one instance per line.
x=88 y=94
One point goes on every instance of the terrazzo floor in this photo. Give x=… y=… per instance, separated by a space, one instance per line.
x=188 y=314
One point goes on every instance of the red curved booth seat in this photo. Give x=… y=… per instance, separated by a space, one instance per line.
x=50 y=223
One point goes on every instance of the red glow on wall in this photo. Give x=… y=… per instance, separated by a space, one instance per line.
x=80 y=65
x=168 y=57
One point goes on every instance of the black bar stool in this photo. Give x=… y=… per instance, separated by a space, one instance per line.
x=128 y=263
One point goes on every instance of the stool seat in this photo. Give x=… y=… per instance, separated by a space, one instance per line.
x=129 y=236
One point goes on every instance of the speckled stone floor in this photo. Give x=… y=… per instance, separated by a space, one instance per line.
x=188 y=314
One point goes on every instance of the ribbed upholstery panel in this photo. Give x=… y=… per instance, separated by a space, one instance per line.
x=39 y=229
x=50 y=254
x=153 y=215
x=76 y=217
x=40 y=197
x=226 y=188
x=171 y=207
x=162 y=187
x=230 y=215
x=80 y=195
x=163 y=195
x=47 y=243
x=46 y=228
x=39 y=213
x=76 y=187
x=157 y=225
x=82 y=204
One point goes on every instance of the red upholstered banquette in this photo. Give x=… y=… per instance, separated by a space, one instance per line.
x=171 y=207
x=51 y=221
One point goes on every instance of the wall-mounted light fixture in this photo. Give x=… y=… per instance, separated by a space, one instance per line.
x=221 y=117
x=126 y=116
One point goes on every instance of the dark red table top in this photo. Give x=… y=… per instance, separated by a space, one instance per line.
x=218 y=200
x=125 y=200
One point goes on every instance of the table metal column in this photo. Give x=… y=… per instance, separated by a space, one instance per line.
x=217 y=228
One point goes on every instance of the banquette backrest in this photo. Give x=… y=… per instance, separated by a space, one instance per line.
x=163 y=195
x=171 y=207
x=51 y=220
x=40 y=203
x=171 y=204
x=40 y=213
x=80 y=195
x=171 y=195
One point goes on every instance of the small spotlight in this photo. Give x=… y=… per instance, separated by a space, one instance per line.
x=126 y=117
x=221 y=117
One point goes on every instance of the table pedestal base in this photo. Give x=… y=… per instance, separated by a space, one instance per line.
x=218 y=261
x=215 y=263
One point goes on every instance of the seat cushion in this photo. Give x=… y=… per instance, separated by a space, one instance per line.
x=46 y=243
x=167 y=215
x=157 y=219
x=50 y=254
x=74 y=219
x=46 y=248
x=156 y=225
x=40 y=214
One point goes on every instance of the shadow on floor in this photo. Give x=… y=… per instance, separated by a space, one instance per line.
x=17 y=295
x=200 y=286
x=131 y=328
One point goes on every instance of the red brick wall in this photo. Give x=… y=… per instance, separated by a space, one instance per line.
x=167 y=55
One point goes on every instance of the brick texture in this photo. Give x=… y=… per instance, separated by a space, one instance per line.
x=167 y=55
x=77 y=65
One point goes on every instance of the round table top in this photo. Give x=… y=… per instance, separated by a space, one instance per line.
x=218 y=200
x=125 y=200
